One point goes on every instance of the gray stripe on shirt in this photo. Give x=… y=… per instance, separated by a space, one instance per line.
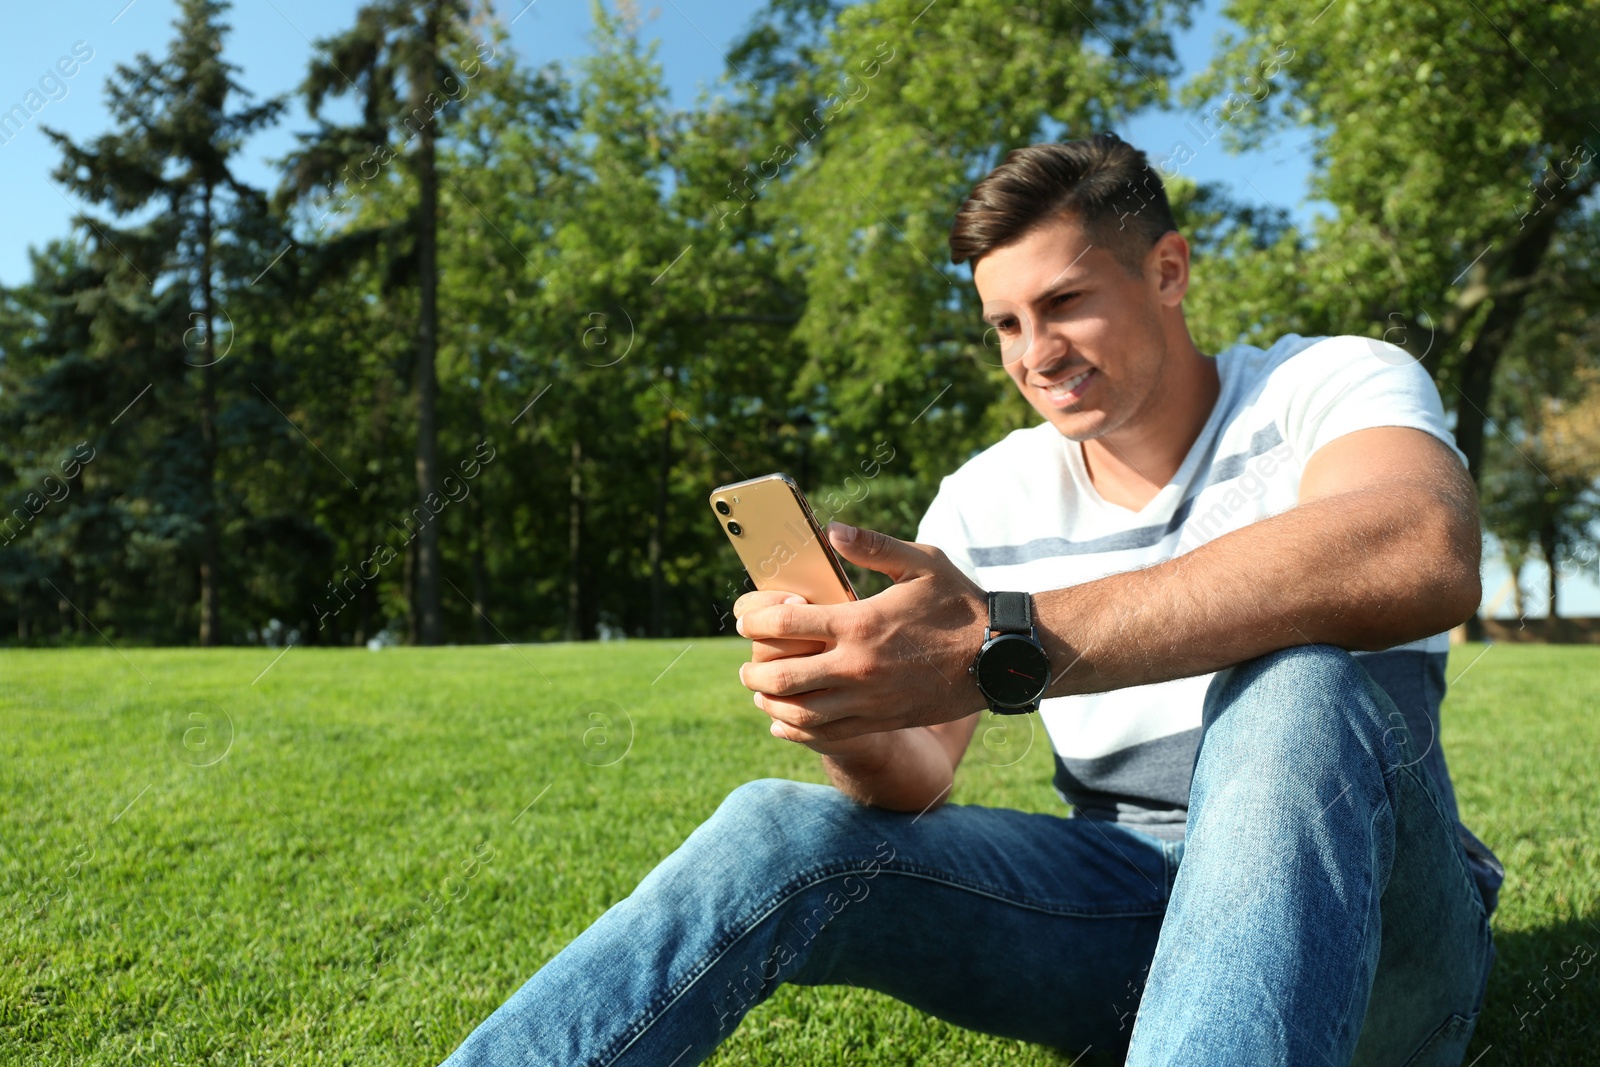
x=1223 y=470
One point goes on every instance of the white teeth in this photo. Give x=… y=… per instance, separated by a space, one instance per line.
x=1063 y=388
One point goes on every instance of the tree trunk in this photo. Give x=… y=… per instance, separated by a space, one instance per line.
x=364 y=600
x=1476 y=380
x=210 y=611
x=658 y=528
x=480 y=534
x=575 y=628
x=430 y=628
x=1516 y=587
x=480 y=568
x=411 y=593
x=1549 y=548
x=1474 y=372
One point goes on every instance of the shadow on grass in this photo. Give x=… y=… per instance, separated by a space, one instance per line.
x=1543 y=1003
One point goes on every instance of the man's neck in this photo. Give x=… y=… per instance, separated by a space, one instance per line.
x=1129 y=466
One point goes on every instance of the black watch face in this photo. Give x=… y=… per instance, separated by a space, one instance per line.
x=1012 y=670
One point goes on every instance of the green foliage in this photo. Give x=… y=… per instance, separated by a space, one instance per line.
x=626 y=304
x=1456 y=145
x=1539 y=491
x=116 y=353
x=888 y=134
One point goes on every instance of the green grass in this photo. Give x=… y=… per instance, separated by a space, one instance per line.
x=356 y=875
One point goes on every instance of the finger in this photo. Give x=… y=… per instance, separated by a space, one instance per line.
x=813 y=727
x=803 y=713
x=828 y=715
x=823 y=746
x=789 y=675
x=849 y=748
x=840 y=730
x=762 y=598
x=766 y=651
x=879 y=552
x=791 y=621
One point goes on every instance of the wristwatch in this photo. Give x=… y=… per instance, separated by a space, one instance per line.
x=1011 y=668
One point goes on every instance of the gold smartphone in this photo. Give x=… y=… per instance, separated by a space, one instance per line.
x=778 y=539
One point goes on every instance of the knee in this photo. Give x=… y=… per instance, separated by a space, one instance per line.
x=777 y=823
x=1306 y=695
x=766 y=800
x=1287 y=737
x=1288 y=673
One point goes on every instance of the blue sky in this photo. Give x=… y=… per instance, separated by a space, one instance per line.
x=272 y=44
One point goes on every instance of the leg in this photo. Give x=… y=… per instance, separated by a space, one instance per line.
x=1030 y=926
x=1322 y=897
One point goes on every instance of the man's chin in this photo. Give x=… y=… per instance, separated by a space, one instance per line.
x=1077 y=426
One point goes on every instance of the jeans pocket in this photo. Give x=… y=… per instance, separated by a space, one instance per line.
x=1447 y=1045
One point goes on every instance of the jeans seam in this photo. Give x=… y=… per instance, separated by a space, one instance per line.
x=933 y=875
x=1389 y=780
x=1468 y=884
x=1467 y=887
x=1366 y=929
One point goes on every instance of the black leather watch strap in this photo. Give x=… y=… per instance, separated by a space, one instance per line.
x=1010 y=613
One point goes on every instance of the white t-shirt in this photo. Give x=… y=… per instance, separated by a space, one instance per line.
x=1023 y=515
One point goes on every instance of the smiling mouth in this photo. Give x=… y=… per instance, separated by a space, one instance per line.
x=1068 y=389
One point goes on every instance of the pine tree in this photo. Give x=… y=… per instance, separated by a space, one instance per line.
x=172 y=149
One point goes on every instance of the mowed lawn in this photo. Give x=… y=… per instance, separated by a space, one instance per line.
x=350 y=857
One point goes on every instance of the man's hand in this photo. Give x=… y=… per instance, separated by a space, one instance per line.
x=765 y=651
x=833 y=673
x=899 y=769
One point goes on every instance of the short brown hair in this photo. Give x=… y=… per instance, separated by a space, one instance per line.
x=1103 y=182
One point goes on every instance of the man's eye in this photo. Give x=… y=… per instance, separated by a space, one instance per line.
x=1062 y=298
x=1008 y=326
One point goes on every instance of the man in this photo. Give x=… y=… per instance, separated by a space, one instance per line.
x=1264 y=863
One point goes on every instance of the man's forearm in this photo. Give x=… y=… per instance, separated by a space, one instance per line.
x=1382 y=550
x=901 y=770
x=1252 y=591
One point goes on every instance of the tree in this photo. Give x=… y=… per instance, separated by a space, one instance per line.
x=394 y=61
x=1455 y=143
x=662 y=393
x=173 y=148
x=1543 y=461
x=867 y=158
x=44 y=536
x=509 y=153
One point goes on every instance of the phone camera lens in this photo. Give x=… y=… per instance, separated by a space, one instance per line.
x=722 y=507
x=735 y=529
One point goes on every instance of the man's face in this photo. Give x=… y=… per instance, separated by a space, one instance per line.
x=1079 y=335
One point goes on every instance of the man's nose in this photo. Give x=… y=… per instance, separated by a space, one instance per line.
x=1046 y=347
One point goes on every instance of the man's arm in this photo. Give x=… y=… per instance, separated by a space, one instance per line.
x=909 y=770
x=1383 y=548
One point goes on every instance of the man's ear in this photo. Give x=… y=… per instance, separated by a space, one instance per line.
x=1167 y=267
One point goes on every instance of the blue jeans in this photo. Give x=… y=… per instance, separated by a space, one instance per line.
x=1319 y=910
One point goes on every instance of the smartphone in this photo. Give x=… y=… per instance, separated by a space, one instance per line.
x=778 y=539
